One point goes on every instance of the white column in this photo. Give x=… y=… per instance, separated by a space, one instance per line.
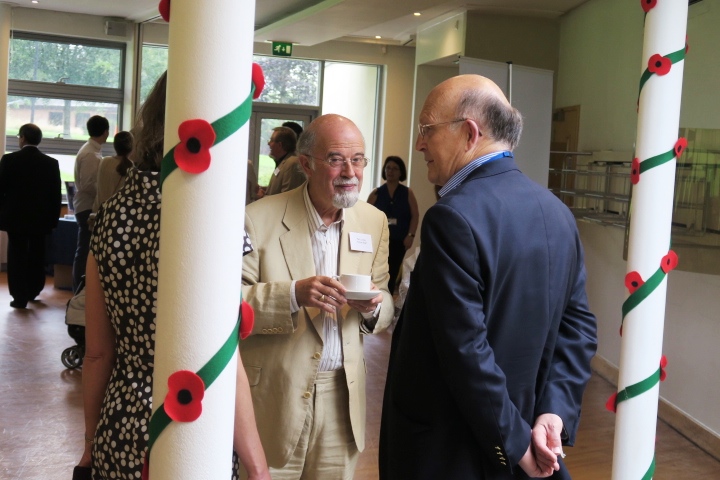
x=201 y=231
x=649 y=241
x=5 y=25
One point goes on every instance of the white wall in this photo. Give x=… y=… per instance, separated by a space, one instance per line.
x=600 y=50
x=441 y=38
x=349 y=90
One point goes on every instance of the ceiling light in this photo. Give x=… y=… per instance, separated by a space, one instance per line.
x=378 y=36
x=34 y=1
x=417 y=14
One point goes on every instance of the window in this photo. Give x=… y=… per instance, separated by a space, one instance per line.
x=58 y=83
x=154 y=63
x=55 y=118
x=290 y=81
x=38 y=59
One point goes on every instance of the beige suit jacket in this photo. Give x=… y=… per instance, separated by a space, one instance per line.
x=282 y=355
x=287 y=176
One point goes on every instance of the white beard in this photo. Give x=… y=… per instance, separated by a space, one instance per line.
x=345 y=199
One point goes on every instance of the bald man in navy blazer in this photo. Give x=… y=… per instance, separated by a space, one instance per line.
x=491 y=355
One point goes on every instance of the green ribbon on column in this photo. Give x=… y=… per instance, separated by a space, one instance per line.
x=651 y=470
x=674 y=58
x=656 y=161
x=638 y=388
x=643 y=292
x=223 y=127
x=209 y=373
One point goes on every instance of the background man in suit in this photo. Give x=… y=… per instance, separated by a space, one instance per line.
x=86 y=173
x=493 y=348
x=30 y=201
x=288 y=173
x=305 y=357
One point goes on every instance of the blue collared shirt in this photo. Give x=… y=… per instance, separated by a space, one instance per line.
x=458 y=178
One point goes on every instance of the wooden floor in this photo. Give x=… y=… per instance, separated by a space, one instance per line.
x=41 y=423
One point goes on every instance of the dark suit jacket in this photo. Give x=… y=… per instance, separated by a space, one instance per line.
x=496 y=331
x=30 y=197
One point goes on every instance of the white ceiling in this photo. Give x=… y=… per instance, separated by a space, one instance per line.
x=309 y=22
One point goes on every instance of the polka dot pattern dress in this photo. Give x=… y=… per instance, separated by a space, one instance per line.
x=125 y=244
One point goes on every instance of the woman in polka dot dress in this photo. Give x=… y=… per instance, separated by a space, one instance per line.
x=121 y=295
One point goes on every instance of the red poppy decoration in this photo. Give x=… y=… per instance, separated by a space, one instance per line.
x=659 y=65
x=633 y=281
x=635 y=171
x=669 y=262
x=610 y=404
x=146 y=467
x=192 y=154
x=164 y=9
x=663 y=364
x=648 y=5
x=247 y=316
x=258 y=79
x=680 y=147
x=183 y=402
x=687 y=45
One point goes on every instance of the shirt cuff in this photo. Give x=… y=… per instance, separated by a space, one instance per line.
x=294 y=307
x=370 y=319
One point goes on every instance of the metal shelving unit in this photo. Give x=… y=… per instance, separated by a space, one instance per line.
x=596 y=191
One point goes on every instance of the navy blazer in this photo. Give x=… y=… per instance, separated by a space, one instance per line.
x=30 y=197
x=495 y=331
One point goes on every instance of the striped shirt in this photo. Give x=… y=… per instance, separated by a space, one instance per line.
x=458 y=178
x=325 y=240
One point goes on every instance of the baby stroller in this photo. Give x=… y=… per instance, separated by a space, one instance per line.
x=72 y=357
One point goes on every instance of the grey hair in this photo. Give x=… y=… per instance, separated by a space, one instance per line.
x=504 y=122
x=306 y=144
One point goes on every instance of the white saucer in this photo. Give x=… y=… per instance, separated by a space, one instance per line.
x=352 y=295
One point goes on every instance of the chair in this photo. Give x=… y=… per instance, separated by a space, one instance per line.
x=70 y=189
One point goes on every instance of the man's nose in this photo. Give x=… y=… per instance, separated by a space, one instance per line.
x=420 y=143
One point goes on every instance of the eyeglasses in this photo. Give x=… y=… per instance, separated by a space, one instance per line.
x=336 y=161
x=423 y=128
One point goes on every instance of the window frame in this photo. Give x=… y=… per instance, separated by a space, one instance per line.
x=64 y=91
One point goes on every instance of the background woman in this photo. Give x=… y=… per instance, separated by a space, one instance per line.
x=112 y=170
x=397 y=202
x=121 y=287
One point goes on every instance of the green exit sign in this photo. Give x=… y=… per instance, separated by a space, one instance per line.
x=282 y=49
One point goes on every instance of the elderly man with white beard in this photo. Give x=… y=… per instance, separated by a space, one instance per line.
x=304 y=359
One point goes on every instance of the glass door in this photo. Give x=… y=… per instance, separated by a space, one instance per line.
x=263 y=120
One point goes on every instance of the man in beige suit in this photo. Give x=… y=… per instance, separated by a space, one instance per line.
x=305 y=358
x=288 y=172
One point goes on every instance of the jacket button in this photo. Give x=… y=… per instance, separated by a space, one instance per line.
x=264 y=330
x=275 y=330
x=307 y=395
x=317 y=356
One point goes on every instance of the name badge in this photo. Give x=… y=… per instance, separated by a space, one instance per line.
x=277 y=170
x=360 y=242
x=392 y=221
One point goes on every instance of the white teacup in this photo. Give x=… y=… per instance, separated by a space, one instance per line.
x=355 y=283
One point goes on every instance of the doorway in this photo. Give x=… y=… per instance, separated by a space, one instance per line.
x=264 y=118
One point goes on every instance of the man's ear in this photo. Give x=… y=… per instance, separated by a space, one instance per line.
x=305 y=163
x=473 y=133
